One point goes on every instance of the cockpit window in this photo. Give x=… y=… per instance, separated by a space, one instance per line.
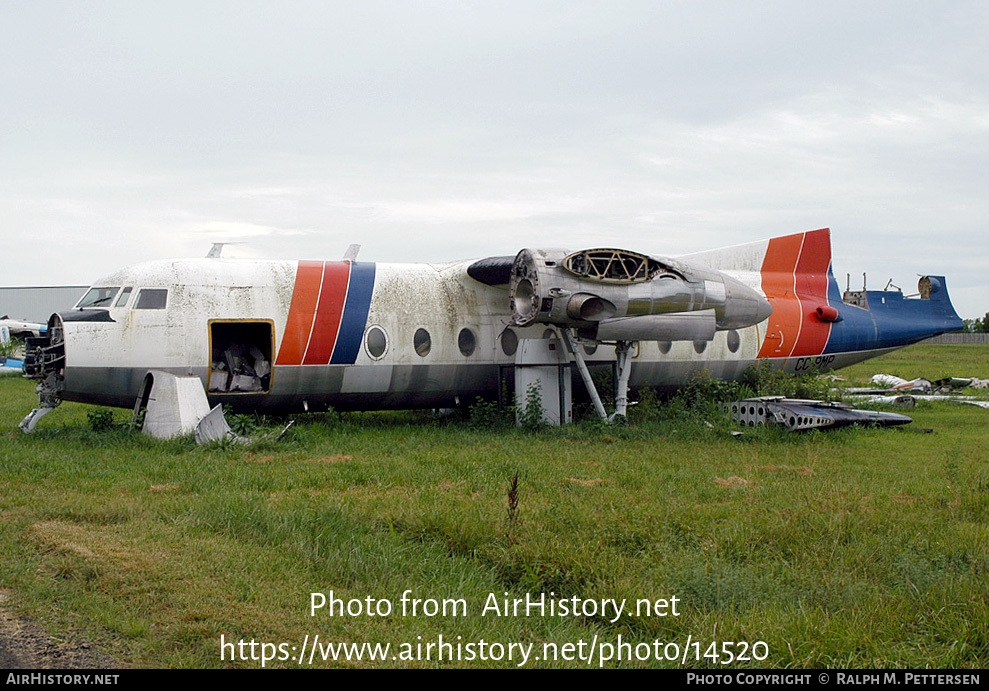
x=151 y=299
x=124 y=297
x=98 y=297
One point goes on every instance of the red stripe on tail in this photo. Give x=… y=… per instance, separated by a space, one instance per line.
x=795 y=280
x=778 y=269
x=812 y=290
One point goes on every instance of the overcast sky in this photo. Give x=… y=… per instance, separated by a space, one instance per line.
x=434 y=131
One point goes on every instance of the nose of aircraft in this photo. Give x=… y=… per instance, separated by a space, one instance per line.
x=744 y=306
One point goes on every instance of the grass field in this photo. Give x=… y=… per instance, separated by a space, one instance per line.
x=851 y=548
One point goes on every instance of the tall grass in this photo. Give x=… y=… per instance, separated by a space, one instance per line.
x=857 y=547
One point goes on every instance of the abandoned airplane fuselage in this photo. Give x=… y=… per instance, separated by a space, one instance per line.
x=303 y=335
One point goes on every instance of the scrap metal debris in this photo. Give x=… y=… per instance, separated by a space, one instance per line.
x=239 y=369
x=903 y=393
x=11 y=365
x=798 y=414
x=169 y=406
x=213 y=428
x=889 y=383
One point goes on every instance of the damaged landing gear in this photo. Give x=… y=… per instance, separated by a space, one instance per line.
x=49 y=397
x=44 y=361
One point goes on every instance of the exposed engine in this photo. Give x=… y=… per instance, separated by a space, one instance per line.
x=611 y=294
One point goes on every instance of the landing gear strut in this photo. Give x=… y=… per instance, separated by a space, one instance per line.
x=623 y=352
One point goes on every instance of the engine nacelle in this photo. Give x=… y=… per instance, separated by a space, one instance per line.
x=682 y=326
x=591 y=288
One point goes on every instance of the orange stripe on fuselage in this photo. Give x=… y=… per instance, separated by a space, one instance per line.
x=301 y=314
x=812 y=290
x=332 y=298
x=778 y=270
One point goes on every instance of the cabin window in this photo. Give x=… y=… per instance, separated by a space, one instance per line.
x=152 y=299
x=466 y=341
x=98 y=297
x=734 y=341
x=590 y=348
x=240 y=356
x=124 y=297
x=509 y=342
x=376 y=342
x=422 y=342
x=700 y=346
x=665 y=346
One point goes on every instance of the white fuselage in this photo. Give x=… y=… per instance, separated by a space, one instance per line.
x=291 y=336
x=107 y=360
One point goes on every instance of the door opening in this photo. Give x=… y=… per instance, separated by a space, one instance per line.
x=240 y=356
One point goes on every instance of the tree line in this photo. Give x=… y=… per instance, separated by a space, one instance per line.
x=976 y=326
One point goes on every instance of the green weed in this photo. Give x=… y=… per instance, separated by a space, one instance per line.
x=530 y=416
x=100 y=420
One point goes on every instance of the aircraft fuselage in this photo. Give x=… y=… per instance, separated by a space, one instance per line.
x=303 y=335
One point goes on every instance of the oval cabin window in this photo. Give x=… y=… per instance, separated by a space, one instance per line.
x=734 y=341
x=466 y=341
x=422 y=342
x=509 y=342
x=376 y=342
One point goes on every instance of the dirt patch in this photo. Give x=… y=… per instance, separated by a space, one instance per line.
x=802 y=470
x=339 y=458
x=24 y=645
x=733 y=481
x=586 y=483
x=251 y=458
x=97 y=547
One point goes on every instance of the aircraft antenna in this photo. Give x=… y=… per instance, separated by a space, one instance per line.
x=217 y=249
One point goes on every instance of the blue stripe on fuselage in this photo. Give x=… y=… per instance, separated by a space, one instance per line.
x=355 y=312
